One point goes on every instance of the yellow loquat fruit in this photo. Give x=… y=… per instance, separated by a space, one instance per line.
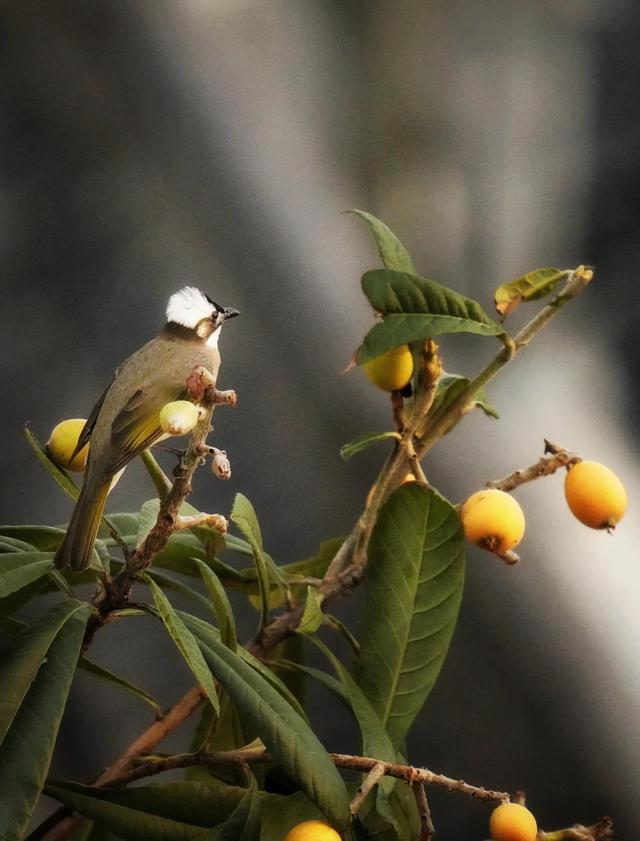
x=512 y=822
x=312 y=831
x=392 y=370
x=595 y=495
x=493 y=520
x=62 y=442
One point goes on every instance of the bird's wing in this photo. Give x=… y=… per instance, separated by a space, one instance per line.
x=87 y=429
x=137 y=425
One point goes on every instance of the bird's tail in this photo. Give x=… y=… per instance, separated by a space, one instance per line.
x=76 y=548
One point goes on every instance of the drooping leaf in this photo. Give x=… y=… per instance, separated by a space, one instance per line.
x=412 y=595
x=100 y=672
x=375 y=740
x=185 y=642
x=530 y=287
x=415 y=309
x=127 y=823
x=392 y=252
x=349 y=450
x=170 y=582
x=339 y=626
x=276 y=682
x=29 y=739
x=13 y=544
x=450 y=387
x=244 y=517
x=294 y=746
x=44 y=538
x=312 y=616
x=243 y=824
x=221 y=605
x=17 y=569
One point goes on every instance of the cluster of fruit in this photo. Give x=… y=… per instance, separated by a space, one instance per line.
x=508 y=822
x=493 y=520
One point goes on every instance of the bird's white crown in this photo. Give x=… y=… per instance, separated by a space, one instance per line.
x=188 y=307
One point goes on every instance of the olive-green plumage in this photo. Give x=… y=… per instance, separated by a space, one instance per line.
x=125 y=420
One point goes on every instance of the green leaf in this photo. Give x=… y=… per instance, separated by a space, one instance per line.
x=412 y=595
x=243 y=824
x=375 y=740
x=44 y=538
x=221 y=605
x=281 y=814
x=530 y=287
x=30 y=730
x=415 y=309
x=147 y=517
x=392 y=252
x=17 y=569
x=276 y=682
x=293 y=744
x=12 y=544
x=108 y=676
x=169 y=582
x=244 y=517
x=61 y=477
x=185 y=643
x=127 y=823
x=312 y=615
x=339 y=626
x=450 y=387
x=349 y=450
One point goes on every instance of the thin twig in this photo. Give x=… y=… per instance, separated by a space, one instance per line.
x=545 y=466
x=427 y=828
x=159 y=478
x=372 y=778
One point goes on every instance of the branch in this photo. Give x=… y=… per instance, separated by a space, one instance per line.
x=372 y=779
x=427 y=828
x=546 y=466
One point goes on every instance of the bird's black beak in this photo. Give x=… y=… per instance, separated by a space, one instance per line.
x=229 y=312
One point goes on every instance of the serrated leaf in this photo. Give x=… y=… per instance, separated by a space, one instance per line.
x=392 y=252
x=17 y=569
x=294 y=746
x=185 y=643
x=28 y=742
x=312 y=616
x=221 y=605
x=360 y=443
x=450 y=387
x=100 y=672
x=412 y=595
x=530 y=287
x=415 y=309
x=244 y=517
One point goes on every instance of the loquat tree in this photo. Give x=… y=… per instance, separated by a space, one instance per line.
x=255 y=768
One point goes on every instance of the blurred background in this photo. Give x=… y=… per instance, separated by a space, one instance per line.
x=149 y=145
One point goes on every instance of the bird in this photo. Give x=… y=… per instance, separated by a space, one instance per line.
x=125 y=419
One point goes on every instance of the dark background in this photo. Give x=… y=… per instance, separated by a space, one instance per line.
x=149 y=145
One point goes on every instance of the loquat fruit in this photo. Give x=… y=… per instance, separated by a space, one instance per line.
x=312 y=831
x=178 y=417
x=595 y=495
x=493 y=520
x=512 y=822
x=392 y=370
x=62 y=442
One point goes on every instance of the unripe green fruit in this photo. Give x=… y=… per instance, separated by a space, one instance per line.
x=595 y=495
x=512 y=822
x=179 y=417
x=392 y=370
x=493 y=520
x=312 y=831
x=62 y=442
